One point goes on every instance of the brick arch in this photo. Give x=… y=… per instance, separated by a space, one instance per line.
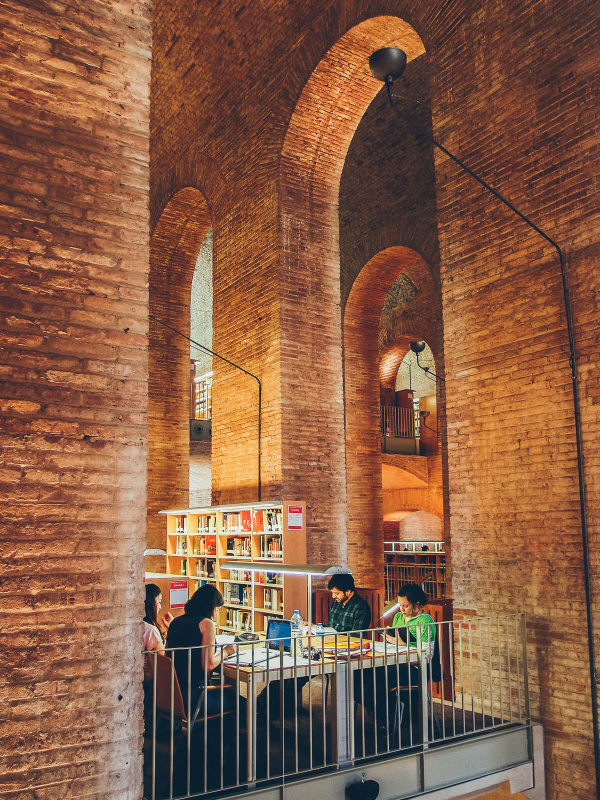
x=319 y=133
x=174 y=247
x=361 y=384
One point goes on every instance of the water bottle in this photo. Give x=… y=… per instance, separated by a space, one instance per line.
x=320 y=629
x=296 y=625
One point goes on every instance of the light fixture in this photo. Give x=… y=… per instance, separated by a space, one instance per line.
x=385 y=65
x=418 y=347
x=291 y=569
x=155 y=551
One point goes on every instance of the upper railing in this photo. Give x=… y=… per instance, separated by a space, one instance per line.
x=399 y=422
x=301 y=706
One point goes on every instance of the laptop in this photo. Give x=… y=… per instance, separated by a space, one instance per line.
x=279 y=630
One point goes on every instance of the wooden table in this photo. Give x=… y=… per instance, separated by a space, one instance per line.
x=340 y=669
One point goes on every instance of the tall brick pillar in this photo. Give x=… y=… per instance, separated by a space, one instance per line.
x=74 y=90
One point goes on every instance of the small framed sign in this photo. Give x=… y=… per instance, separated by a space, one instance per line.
x=294 y=518
x=178 y=593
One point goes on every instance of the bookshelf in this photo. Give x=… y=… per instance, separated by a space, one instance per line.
x=201 y=540
x=415 y=562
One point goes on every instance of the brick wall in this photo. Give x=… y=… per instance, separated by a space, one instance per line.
x=74 y=245
x=527 y=123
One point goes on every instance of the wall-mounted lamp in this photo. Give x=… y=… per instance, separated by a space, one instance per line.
x=155 y=551
x=418 y=347
x=387 y=65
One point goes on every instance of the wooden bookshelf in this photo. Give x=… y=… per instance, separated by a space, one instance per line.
x=415 y=562
x=201 y=540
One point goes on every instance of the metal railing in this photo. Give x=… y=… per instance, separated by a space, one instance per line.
x=430 y=576
x=273 y=714
x=399 y=422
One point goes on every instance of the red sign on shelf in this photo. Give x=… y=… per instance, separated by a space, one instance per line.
x=294 y=518
x=178 y=593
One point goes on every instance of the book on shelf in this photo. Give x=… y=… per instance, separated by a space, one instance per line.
x=240 y=575
x=238 y=546
x=237 y=594
x=270 y=546
x=272 y=600
x=246 y=521
x=269 y=578
x=239 y=620
x=180 y=524
x=211 y=545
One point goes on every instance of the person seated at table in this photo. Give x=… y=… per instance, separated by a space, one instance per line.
x=195 y=629
x=409 y=619
x=154 y=639
x=349 y=612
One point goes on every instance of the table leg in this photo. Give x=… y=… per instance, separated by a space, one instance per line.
x=342 y=728
x=251 y=730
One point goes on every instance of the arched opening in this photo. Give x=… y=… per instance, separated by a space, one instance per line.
x=380 y=320
x=174 y=248
x=324 y=121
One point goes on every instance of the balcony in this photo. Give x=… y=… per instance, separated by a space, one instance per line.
x=366 y=711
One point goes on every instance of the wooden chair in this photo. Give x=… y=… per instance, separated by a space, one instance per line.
x=204 y=764
x=165 y=709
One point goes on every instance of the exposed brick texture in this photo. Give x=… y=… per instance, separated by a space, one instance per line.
x=74 y=104
x=279 y=129
x=256 y=130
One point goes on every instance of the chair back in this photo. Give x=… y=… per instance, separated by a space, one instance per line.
x=322 y=601
x=165 y=678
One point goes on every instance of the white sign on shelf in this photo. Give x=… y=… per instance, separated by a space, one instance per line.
x=294 y=518
x=178 y=593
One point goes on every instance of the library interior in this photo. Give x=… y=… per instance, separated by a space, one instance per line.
x=300 y=326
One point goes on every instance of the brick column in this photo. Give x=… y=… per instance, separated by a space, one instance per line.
x=73 y=229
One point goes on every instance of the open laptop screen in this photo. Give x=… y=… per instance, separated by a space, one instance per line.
x=279 y=630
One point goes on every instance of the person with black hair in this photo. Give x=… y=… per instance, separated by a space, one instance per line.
x=153 y=635
x=409 y=619
x=195 y=629
x=349 y=611
x=410 y=616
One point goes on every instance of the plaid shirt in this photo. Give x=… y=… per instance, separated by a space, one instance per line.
x=354 y=616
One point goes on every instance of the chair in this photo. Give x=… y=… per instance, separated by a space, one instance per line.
x=170 y=709
x=435 y=674
x=165 y=673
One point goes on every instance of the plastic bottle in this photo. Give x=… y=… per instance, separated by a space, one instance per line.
x=296 y=624
x=320 y=629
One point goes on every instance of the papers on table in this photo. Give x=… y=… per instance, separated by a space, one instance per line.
x=388 y=648
x=224 y=638
x=313 y=630
x=266 y=659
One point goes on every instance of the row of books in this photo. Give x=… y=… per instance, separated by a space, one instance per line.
x=257 y=522
x=240 y=620
x=270 y=547
x=237 y=593
x=204 y=546
x=239 y=546
x=207 y=524
x=180 y=524
x=240 y=575
x=272 y=600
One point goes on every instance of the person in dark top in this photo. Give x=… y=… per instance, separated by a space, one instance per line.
x=349 y=611
x=195 y=629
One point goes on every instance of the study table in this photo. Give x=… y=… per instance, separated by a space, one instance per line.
x=256 y=665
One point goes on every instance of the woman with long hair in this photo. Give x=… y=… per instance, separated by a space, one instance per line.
x=153 y=635
x=195 y=629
